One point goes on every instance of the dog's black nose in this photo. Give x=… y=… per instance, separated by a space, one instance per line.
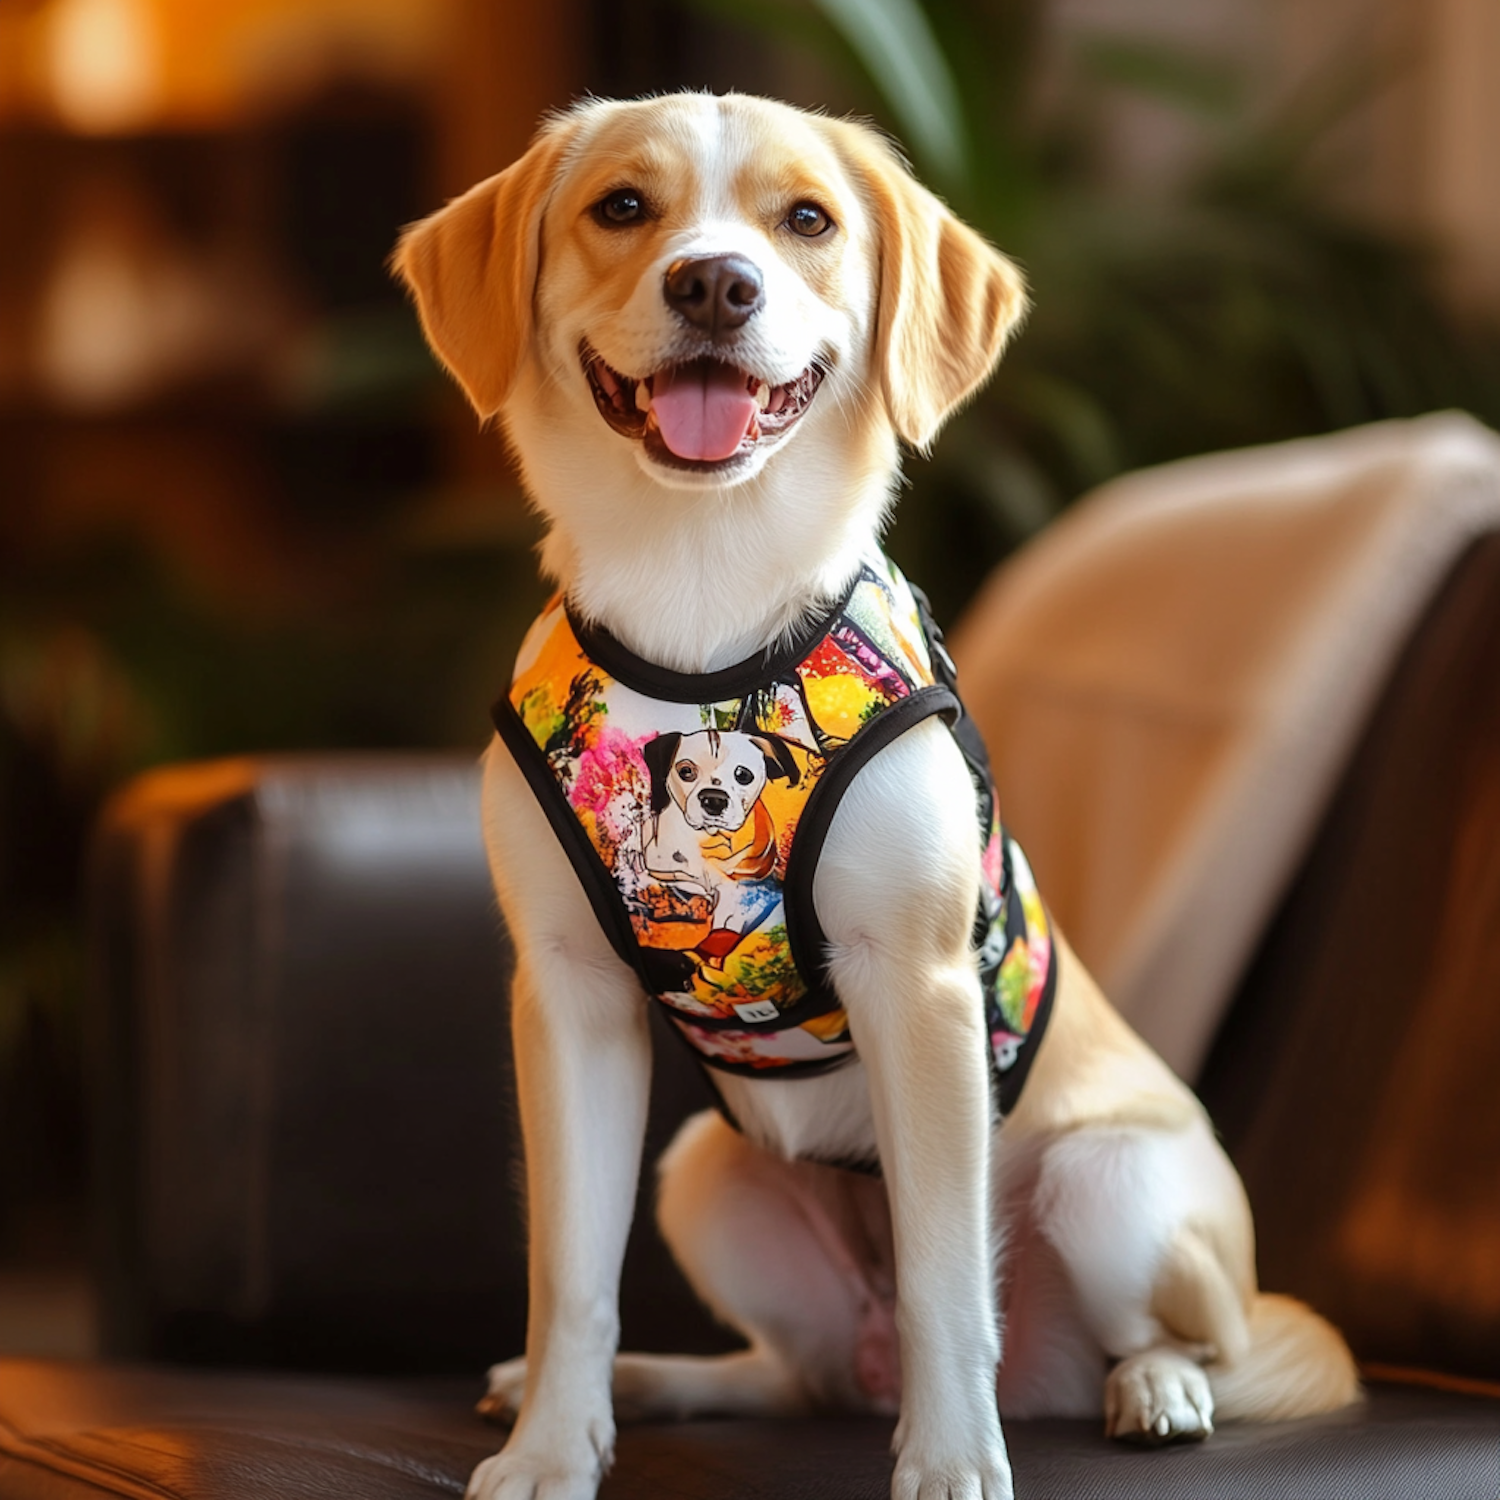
x=713 y=801
x=716 y=294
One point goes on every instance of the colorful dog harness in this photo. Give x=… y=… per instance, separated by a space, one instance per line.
x=694 y=807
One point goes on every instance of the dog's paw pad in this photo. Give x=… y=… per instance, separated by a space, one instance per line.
x=1158 y=1397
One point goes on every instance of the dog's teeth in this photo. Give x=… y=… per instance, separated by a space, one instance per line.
x=642 y=396
x=752 y=432
x=763 y=396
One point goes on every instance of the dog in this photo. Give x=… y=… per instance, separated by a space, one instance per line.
x=706 y=325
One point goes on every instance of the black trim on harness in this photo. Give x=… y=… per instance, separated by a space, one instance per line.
x=598 y=884
x=809 y=943
x=707 y=687
x=720 y=1102
x=1013 y=1080
x=965 y=730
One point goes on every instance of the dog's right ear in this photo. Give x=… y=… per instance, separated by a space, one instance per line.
x=659 y=755
x=947 y=300
x=778 y=754
x=472 y=269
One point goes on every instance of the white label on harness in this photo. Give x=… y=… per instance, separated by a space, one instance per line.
x=757 y=1010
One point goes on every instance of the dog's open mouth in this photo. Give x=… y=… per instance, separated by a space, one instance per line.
x=698 y=415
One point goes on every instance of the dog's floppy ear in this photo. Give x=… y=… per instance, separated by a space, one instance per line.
x=778 y=754
x=472 y=269
x=659 y=755
x=948 y=300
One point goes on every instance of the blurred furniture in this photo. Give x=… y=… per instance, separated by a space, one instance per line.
x=1172 y=679
x=301 y=1022
x=307 y=1150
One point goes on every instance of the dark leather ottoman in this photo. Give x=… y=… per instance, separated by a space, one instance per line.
x=150 y=1433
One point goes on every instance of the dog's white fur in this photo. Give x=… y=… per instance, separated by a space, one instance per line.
x=1127 y=1274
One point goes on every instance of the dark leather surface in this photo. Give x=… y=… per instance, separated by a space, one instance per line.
x=1356 y=1081
x=67 y=1432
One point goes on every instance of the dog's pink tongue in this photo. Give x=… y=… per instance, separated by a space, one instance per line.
x=703 y=410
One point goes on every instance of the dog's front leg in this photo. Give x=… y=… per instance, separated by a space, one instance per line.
x=932 y=1122
x=583 y=1065
x=895 y=892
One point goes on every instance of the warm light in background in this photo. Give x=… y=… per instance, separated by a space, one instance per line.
x=103 y=64
x=115 y=66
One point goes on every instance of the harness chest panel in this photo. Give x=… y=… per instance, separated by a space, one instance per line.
x=694 y=806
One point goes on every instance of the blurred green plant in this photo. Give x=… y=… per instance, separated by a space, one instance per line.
x=1231 y=306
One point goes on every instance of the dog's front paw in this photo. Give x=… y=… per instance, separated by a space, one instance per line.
x=507 y=1385
x=1158 y=1397
x=522 y=1471
x=925 y=1477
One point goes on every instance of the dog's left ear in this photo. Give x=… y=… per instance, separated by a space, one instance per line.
x=659 y=753
x=948 y=300
x=778 y=754
x=472 y=268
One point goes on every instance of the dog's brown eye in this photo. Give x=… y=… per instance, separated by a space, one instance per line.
x=623 y=206
x=686 y=771
x=744 y=775
x=808 y=220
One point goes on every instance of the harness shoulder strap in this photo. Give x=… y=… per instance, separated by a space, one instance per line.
x=598 y=884
x=804 y=931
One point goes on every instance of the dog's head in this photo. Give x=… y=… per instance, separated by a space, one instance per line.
x=685 y=284
x=715 y=777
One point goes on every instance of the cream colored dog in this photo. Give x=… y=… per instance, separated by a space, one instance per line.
x=705 y=324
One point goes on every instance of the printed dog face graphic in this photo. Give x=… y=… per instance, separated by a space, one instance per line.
x=715 y=777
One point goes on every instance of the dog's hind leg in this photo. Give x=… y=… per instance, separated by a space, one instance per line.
x=793 y=1256
x=1275 y=1360
x=796 y=1257
x=1155 y=1232
x=1153 y=1229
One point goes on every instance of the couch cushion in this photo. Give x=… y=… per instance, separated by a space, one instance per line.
x=79 y=1432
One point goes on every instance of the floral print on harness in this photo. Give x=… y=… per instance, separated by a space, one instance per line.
x=1020 y=978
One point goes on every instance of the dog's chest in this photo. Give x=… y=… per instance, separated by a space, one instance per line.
x=826 y=1118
